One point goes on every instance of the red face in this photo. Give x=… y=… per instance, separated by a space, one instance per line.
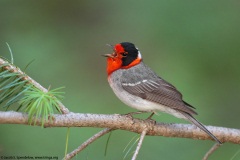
x=125 y=55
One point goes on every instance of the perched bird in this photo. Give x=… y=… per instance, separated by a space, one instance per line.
x=136 y=85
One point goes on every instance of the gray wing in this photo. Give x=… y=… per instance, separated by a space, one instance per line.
x=159 y=91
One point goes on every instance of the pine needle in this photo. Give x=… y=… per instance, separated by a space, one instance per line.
x=66 y=146
x=9 y=48
x=42 y=104
x=235 y=155
x=130 y=147
x=107 y=143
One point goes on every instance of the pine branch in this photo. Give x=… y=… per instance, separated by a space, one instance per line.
x=24 y=77
x=125 y=123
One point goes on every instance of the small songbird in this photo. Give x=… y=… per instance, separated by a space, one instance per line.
x=136 y=85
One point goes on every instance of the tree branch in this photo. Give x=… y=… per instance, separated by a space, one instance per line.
x=123 y=122
x=211 y=150
x=86 y=143
x=139 y=144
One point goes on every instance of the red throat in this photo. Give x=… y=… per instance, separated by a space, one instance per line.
x=114 y=64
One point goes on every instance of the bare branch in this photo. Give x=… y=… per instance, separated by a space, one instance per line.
x=86 y=143
x=126 y=123
x=14 y=69
x=139 y=144
x=214 y=148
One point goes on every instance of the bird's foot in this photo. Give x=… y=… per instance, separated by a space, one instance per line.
x=130 y=115
x=149 y=119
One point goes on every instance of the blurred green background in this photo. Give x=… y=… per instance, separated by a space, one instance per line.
x=195 y=45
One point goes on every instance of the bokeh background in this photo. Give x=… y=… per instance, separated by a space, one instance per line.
x=195 y=45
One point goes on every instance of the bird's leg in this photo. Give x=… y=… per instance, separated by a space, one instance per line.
x=150 y=117
x=132 y=113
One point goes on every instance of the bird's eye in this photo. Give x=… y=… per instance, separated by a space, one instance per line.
x=124 y=54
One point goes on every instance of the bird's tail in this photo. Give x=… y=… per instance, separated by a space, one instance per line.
x=200 y=125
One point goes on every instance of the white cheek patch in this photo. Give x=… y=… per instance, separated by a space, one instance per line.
x=139 y=55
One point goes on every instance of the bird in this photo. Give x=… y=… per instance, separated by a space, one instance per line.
x=139 y=87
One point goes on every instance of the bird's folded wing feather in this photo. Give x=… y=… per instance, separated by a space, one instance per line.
x=159 y=91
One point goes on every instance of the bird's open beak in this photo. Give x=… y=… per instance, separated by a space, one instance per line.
x=108 y=55
x=113 y=55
